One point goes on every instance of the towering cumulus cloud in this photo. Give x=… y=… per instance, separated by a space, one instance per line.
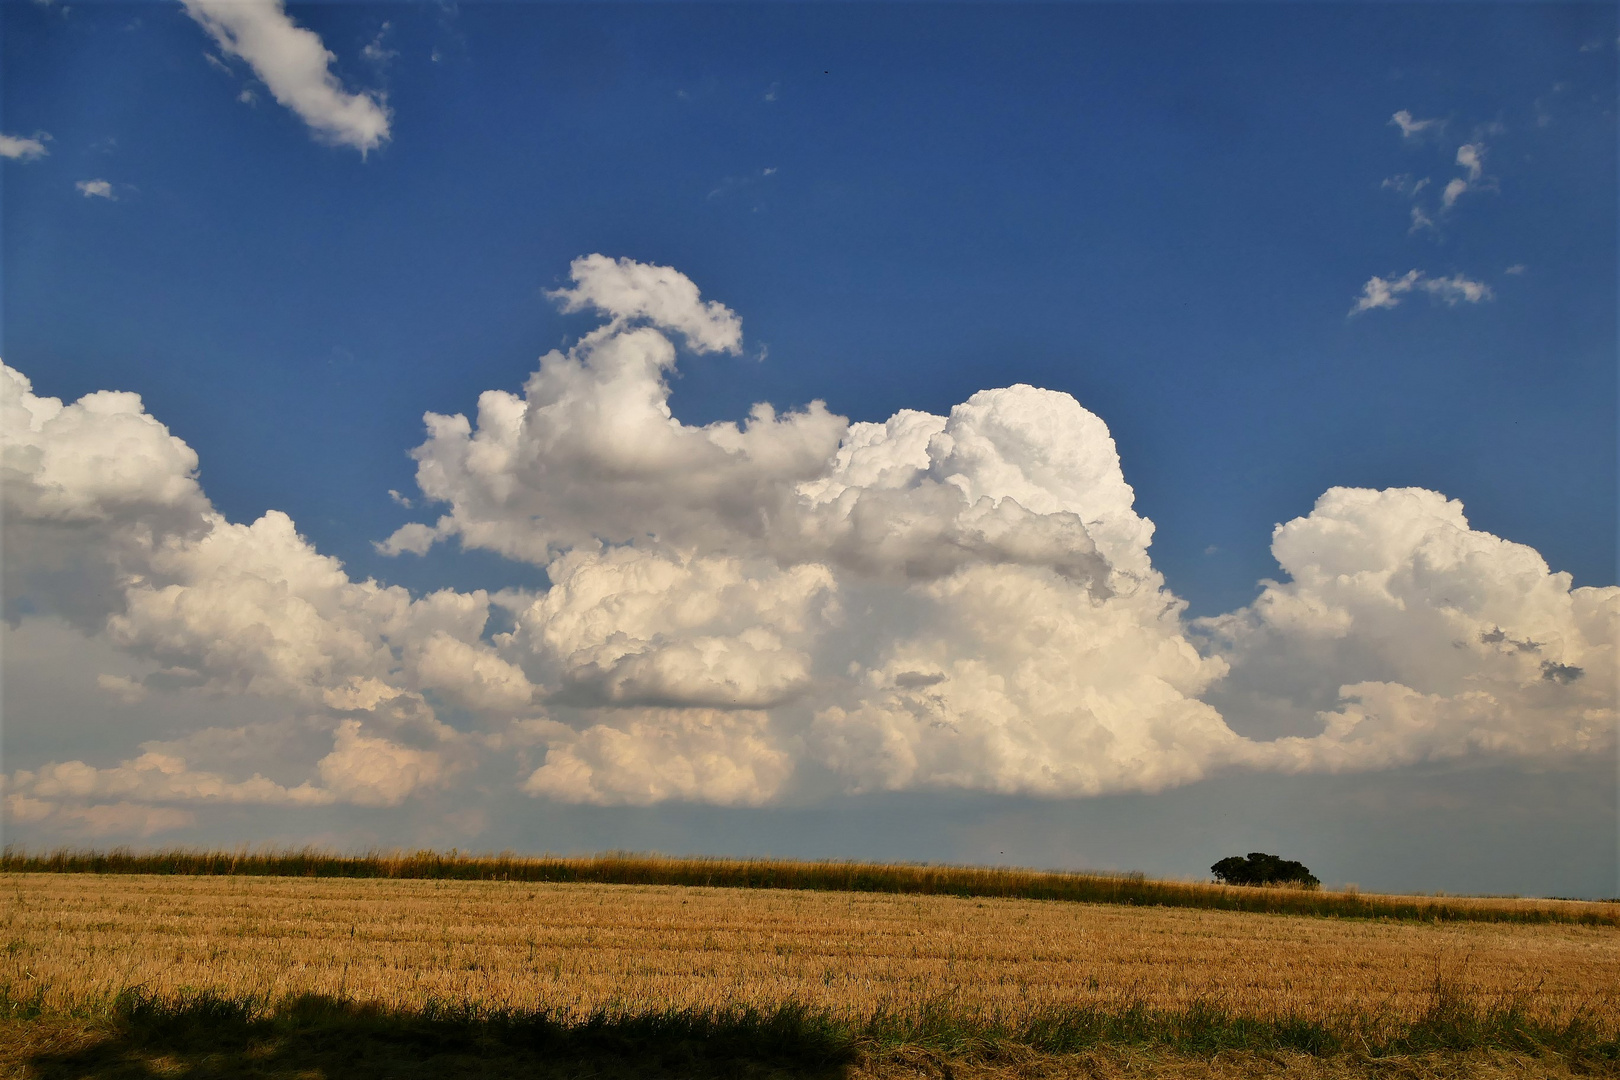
x=1418 y=637
x=106 y=527
x=790 y=605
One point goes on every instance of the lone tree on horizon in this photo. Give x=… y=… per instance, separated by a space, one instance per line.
x=1258 y=868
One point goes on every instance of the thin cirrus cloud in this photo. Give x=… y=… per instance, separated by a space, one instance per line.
x=295 y=66
x=22 y=148
x=788 y=607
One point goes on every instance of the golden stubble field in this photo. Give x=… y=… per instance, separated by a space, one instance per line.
x=75 y=939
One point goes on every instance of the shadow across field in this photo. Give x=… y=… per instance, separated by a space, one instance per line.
x=315 y=1036
x=203 y=1035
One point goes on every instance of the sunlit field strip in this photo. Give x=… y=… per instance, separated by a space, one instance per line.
x=75 y=941
x=822 y=876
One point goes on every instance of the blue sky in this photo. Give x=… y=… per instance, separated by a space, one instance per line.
x=1168 y=212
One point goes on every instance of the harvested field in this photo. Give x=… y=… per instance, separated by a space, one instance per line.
x=574 y=950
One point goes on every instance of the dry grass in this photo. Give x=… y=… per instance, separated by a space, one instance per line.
x=1154 y=1064
x=630 y=869
x=72 y=941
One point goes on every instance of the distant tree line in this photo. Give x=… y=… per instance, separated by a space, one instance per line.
x=911 y=878
x=1258 y=868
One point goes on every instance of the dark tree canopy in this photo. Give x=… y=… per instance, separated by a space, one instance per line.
x=1258 y=868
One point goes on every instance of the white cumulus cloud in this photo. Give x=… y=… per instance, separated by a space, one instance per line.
x=372 y=771
x=590 y=452
x=783 y=608
x=98 y=821
x=296 y=67
x=106 y=526
x=624 y=289
x=651 y=756
x=96 y=189
x=22 y=148
x=1407 y=635
x=628 y=626
x=1014 y=679
x=154 y=777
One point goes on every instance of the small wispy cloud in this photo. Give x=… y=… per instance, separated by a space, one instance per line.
x=125 y=689
x=1410 y=187
x=20 y=148
x=1457 y=289
x=96 y=189
x=1471 y=156
x=1544 y=103
x=770 y=91
x=378 y=52
x=1404 y=184
x=1387 y=292
x=1413 y=128
x=731 y=184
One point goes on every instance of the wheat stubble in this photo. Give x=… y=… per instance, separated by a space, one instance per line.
x=575 y=949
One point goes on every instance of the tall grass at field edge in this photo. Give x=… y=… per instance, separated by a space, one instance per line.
x=794 y=1032
x=967 y=881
